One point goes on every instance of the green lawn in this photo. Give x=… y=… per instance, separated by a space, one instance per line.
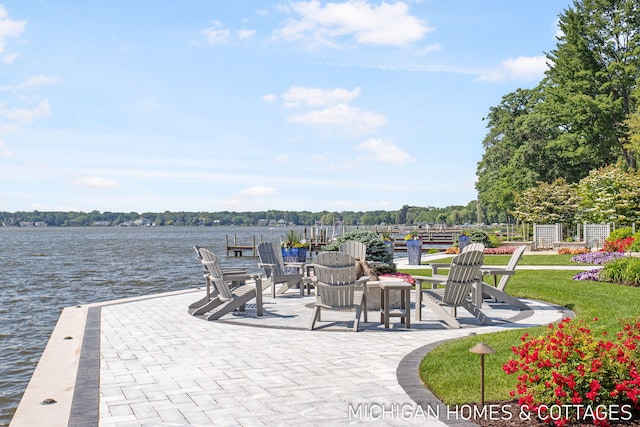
x=452 y=373
x=525 y=260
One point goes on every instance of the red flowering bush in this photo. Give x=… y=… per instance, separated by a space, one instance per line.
x=618 y=245
x=585 y=375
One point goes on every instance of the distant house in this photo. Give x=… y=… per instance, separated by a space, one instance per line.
x=263 y=222
x=25 y=224
x=40 y=224
x=101 y=223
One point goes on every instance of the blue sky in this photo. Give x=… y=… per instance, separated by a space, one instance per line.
x=200 y=105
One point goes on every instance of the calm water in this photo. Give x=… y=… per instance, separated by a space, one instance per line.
x=43 y=270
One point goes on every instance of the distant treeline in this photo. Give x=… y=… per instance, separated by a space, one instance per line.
x=407 y=215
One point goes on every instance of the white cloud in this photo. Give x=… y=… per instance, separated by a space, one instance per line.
x=315 y=97
x=523 y=68
x=269 y=97
x=216 y=35
x=4 y=153
x=385 y=152
x=94 y=182
x=245 y=34
x=38 y=80
x=349 y=119
x=384 y=24
x=9 y=58
x=8 y=28
x=281 y=158
x=25 y=115
x=258 y=191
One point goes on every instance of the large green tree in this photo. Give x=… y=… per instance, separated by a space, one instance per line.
x=594 y=70
x=578 y=118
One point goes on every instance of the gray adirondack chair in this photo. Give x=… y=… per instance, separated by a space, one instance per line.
x=228 y=299
x=337 y=289
x=354 y=248
x=464 y=273
x=475 y=248
x=236 y=276
x=207 y=255
x=498 y=291
x=271 y=261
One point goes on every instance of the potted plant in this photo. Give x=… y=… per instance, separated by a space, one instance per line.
x=386 y=238
x=463 y=240
x=293 y=248
x=414 y=248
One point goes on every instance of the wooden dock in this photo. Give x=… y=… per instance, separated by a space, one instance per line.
x=436 y=237
x=239 y=250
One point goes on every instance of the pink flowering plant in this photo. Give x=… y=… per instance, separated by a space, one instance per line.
x=585 y=374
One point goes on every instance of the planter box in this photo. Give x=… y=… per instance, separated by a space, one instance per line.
x=294 y=254
x=414 y=251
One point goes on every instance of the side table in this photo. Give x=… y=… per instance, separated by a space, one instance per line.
x=405 y=296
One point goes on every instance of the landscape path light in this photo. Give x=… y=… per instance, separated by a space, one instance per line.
x=482 y=349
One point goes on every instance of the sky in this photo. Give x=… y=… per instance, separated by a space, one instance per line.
x=226 y=105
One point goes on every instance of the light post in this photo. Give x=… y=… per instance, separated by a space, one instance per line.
x=482 y=349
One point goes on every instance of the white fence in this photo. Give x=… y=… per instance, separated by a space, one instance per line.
x=596 y=234
x=545 y=234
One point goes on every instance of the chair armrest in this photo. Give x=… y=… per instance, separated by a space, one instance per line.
x=267 y=266
x=433 y=280
x=435 y=266
x=496 y=271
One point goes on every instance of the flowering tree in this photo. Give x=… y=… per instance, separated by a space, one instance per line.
x=547 y=203
x=610 y=195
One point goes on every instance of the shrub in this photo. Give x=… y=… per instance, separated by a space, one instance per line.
x=620 y=233
x=625 y=270
x=376 y=247
x=635 y=246
x=573 y=368
x=618 y=245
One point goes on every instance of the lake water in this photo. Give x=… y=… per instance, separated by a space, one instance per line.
x=43 y=270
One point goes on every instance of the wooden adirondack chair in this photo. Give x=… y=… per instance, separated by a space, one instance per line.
x=271 y=261
x=464 y=273
x=354 y=248
x=212 y=270
x=498 y=290
x=228 y=299
x=458 y=286
x=207 y=255
x=336 y=288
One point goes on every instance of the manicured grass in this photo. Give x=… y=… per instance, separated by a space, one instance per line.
x=525 y=260
x=452 y=372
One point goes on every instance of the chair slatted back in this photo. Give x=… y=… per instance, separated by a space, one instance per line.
x=215 y=276
x=214 y=268
x=334 y=259
x=336 y=285
x=271 y=253
x=460 y=282
x=355 y=249
x=474 y=256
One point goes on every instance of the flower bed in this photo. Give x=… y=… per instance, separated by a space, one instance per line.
x=588 y=376
x=502 y=250
x=599 y=258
